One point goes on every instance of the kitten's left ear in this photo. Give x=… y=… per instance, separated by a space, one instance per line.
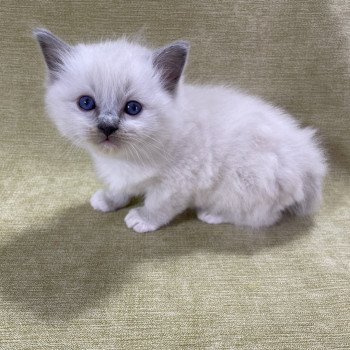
x=170 y=61
x=53 y=50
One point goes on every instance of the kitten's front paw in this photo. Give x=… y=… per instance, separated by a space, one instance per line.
x=135 y=221
x=100 y=202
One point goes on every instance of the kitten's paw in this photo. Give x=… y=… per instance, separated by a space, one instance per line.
x=210 y=218
x=100 y=202
x=135 y=221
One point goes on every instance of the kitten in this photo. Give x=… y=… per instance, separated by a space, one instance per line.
x=233 y=157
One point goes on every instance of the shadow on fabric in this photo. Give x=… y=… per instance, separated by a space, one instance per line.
x=71 y=263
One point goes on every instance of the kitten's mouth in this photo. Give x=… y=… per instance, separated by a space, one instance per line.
x=107 y=141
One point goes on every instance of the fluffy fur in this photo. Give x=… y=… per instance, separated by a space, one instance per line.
x=233 y=157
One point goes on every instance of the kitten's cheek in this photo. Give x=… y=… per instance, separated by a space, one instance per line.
x=78 y=141
x=92 y=135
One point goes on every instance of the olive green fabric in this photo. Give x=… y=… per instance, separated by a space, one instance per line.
x=73 y=278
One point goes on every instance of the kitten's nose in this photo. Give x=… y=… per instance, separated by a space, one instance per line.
x=107 y=129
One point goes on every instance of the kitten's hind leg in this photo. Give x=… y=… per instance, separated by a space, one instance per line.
x=210 y=218
x=255 y=219
x=106 y=200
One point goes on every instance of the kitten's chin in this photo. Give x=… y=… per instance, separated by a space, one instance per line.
x=106 y=146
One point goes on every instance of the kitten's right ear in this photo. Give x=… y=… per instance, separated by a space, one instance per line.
x=53 y=50
x=170 y=61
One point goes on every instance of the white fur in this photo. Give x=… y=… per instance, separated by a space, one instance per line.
x=232 y=157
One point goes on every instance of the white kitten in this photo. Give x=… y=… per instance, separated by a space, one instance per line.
x=232 y=157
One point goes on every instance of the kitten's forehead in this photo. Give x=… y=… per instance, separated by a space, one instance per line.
x=115 y=53
x=110 y=67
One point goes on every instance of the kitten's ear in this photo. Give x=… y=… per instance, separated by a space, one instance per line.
x=53 y=49
x=170 y=61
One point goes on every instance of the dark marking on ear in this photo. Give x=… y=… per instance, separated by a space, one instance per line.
x=52 y=48
x=170 y=61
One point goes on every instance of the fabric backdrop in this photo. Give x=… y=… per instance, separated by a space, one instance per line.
x=73 y=278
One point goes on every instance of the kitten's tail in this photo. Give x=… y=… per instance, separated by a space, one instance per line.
x=312 y=180
x=312 y=197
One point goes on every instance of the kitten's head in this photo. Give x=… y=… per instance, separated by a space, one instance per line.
x=111 y=96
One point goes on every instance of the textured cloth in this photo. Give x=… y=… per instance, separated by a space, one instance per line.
x=73 y=278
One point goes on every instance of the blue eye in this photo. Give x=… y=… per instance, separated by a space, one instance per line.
x=86 y=103
x=133 y=108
